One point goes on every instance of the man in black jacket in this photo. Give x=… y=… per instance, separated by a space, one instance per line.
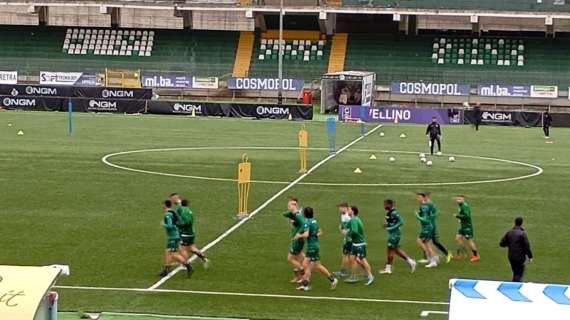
x=546 y=123
x=519 y=249
x=433 y=132
x=478 y=115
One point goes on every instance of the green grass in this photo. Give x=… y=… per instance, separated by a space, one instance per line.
x=61 y=204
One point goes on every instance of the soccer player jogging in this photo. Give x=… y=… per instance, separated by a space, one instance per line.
x=171 y=255
x=426 y=230
x=187 y=235
x=465 y=231
x=433 y=132
x=346 y=244
x=312 y=260
x=355 y=232
x=393 y=224
x=434 y=214
x=295 y=255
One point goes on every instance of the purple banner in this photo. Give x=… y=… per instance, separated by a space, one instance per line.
x=402 y=114
x=498 y=90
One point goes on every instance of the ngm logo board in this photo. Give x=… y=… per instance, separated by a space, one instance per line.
x=489 y=300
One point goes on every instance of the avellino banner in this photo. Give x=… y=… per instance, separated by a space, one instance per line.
x=499 y=90
x=271 y=111
x=399 y=114
x=427 y=88
x=265 y=84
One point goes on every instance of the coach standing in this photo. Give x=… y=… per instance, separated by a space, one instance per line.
x=519 y=249
x=433 y=132
x=546 y=123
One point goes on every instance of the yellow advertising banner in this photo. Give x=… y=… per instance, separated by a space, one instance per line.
x=22 y=290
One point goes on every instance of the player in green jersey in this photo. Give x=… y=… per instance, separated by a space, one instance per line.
x=346 y=244
x=187 y=235
x=298 y=225
x=426 y=230
x=312 y=260
x=393 y=224
x=465 y=231
x=433 y=214
x=171 y=255
x=355 y=232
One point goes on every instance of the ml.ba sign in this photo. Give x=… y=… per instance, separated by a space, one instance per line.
x=476 y=300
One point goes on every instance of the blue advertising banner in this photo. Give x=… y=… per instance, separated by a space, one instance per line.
x=499 y=90
x=264 y=84
x=401 y=114
x=166 y=80
x=426 y=88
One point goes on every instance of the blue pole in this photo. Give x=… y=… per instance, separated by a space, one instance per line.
x=69 y=117
x=331 y=133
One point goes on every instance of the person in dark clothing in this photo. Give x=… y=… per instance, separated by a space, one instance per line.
x=546 y=123
x=519 y=249
x=477 y=114
x=433 y=132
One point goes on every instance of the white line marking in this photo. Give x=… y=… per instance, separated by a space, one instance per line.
x=256 y=295
x=167 y=316
x=265 y=204
x=425 y=314
x=538 y=169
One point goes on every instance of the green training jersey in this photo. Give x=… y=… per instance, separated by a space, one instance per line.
x=356 y=231
x=169 y=226
x=393 y=222
x=186 y=221
x=299 y=224
x=464 y=216
x=423 y=215
x=433 y=213
x=313 y=229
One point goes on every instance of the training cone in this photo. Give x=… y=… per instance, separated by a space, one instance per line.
x=9 y=124
x=372 y=157
x=193 y=114
x=357 y=171
x=20 y=133
x=290 y=117
x=396 y=121
x=382 y=134
x=402 y=135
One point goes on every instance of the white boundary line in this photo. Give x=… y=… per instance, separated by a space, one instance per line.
x=426 y=313
x=130 y=314
x=265 y=204
x=538 y=169
x=256 y=295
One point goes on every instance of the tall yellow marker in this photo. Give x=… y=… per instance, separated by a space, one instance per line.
x=244 y=183
x=303 y=149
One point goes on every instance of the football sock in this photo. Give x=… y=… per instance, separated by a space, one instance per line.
x=331 y=278
x=475 y=253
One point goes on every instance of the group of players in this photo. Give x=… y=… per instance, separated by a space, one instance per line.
x=306 y=229
x=180 y=236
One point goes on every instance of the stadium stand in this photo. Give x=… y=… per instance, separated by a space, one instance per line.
x=501 y=5
x=474 y=51
x=398 y=58
x=305 y=55
x=109 y=42
x=201 y=53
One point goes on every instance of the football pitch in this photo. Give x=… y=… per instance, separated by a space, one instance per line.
x=93 y=201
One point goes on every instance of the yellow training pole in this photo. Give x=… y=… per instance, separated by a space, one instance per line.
x=303 y=149
x=244 y=182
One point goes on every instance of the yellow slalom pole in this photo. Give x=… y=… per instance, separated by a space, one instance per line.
x=244 y=182
x=303 y=149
